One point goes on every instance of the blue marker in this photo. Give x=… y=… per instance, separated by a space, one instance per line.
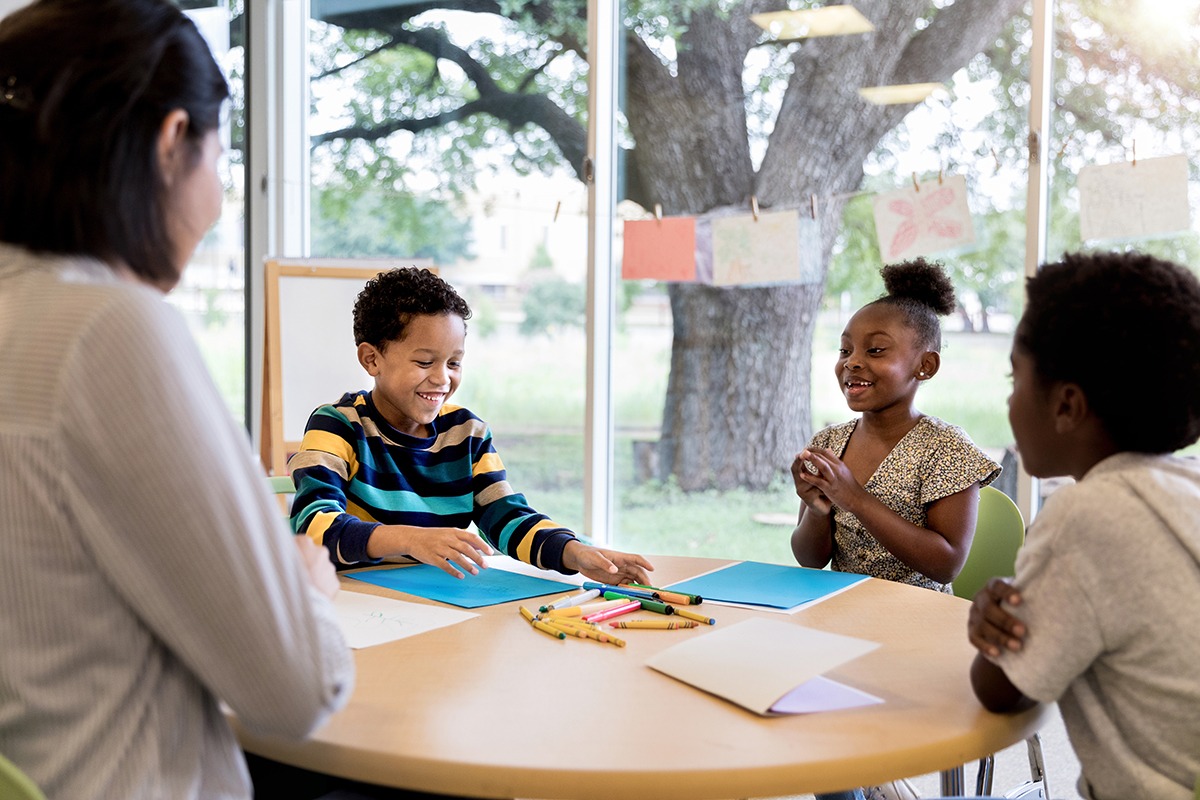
x=638 y=593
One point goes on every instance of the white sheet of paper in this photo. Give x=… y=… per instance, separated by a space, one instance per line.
x=1122 y=201
x=935 y=219
x=521 y=568
x=367 y=619
x=822 y=694
x=757 y=661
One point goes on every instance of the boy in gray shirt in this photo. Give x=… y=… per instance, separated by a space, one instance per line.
x=1106 y=385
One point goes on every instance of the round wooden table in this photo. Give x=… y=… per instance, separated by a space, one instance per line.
x=492 y=708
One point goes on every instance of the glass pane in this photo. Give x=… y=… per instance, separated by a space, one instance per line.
x=1127 y=93
x=459 y=136
x=717 y=388
x=212 y=294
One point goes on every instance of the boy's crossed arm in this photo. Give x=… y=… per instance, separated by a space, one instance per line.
x=992 y=629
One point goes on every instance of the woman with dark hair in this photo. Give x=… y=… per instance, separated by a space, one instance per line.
x=147 y=571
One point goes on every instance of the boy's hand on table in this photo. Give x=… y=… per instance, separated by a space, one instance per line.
x=606 y=566
x=990 y=627
x=451 y=550
x=317 y=566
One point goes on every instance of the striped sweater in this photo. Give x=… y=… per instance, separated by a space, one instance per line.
x=354 y=472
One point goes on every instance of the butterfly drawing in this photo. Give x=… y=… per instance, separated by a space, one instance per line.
x=921 y=218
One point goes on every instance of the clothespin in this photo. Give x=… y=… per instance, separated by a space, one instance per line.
x=812 y=205
x=1058 y=156
x=1133 y=151
x=916 y=186
x=658 y=211
x=754 y=206
x=557 y=208
x=940 y=170
x=995 y=158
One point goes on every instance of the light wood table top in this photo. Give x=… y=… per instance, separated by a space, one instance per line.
x=491 y=708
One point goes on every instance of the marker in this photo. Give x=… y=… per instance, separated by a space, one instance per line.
x=567 y=629
x=589 y=608
x=548 y=629
x=571 y=600
x=657 y=607
x=604 y=587
x=683 y=612
x=570 y=627
x=657 y=624
x=669 y=596
x=625 y=608
x=649 y=605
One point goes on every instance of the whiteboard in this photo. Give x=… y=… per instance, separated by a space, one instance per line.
x=309 y=355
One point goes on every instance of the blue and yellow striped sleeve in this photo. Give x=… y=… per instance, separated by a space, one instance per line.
x=505 y=517
x=322 y=470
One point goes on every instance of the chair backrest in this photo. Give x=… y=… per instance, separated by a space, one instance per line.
x=281 y=484
x=15 y=784
x=999 y=533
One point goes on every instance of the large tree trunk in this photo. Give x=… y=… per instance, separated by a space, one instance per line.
x=738 y=396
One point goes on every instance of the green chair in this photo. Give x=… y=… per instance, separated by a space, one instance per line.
x=999 y=534
x=281 y=484
x=15 y=784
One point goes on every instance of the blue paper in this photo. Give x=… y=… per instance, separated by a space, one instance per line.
x=772 y=585
x=490 y=587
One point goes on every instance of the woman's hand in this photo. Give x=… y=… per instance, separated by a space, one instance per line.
x=990 y=627
x=317 y=566
x=606 y=566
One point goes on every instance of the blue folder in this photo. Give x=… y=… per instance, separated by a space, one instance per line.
x=772 y=585
x=490 y=587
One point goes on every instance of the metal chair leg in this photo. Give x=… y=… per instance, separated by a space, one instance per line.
x=1037 y=766
x=983 y=780
x=953 y=781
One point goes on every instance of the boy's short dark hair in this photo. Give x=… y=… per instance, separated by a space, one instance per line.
x=87 y=85
x=1125 y=327
x=391 y=299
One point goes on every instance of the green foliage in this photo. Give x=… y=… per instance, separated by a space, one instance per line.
x=552 y=303
x=540 y=260
x=364 y=221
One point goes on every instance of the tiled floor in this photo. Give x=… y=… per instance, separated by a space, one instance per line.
x=1012 y=768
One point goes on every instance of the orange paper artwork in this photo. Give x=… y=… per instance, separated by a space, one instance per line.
x=660 y=249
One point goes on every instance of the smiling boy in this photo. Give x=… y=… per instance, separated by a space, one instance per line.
x=397 y=471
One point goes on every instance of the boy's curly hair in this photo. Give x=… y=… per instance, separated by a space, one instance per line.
x=1124 y=327
x=922 y=290
x=391 y=299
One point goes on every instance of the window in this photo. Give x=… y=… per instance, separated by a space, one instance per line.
x=458 y=136
x=212 y=292
x=716 y=389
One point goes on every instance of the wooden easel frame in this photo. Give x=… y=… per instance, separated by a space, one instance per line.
x=274 y=449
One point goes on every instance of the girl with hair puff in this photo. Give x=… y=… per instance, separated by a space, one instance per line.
x=893 y=493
